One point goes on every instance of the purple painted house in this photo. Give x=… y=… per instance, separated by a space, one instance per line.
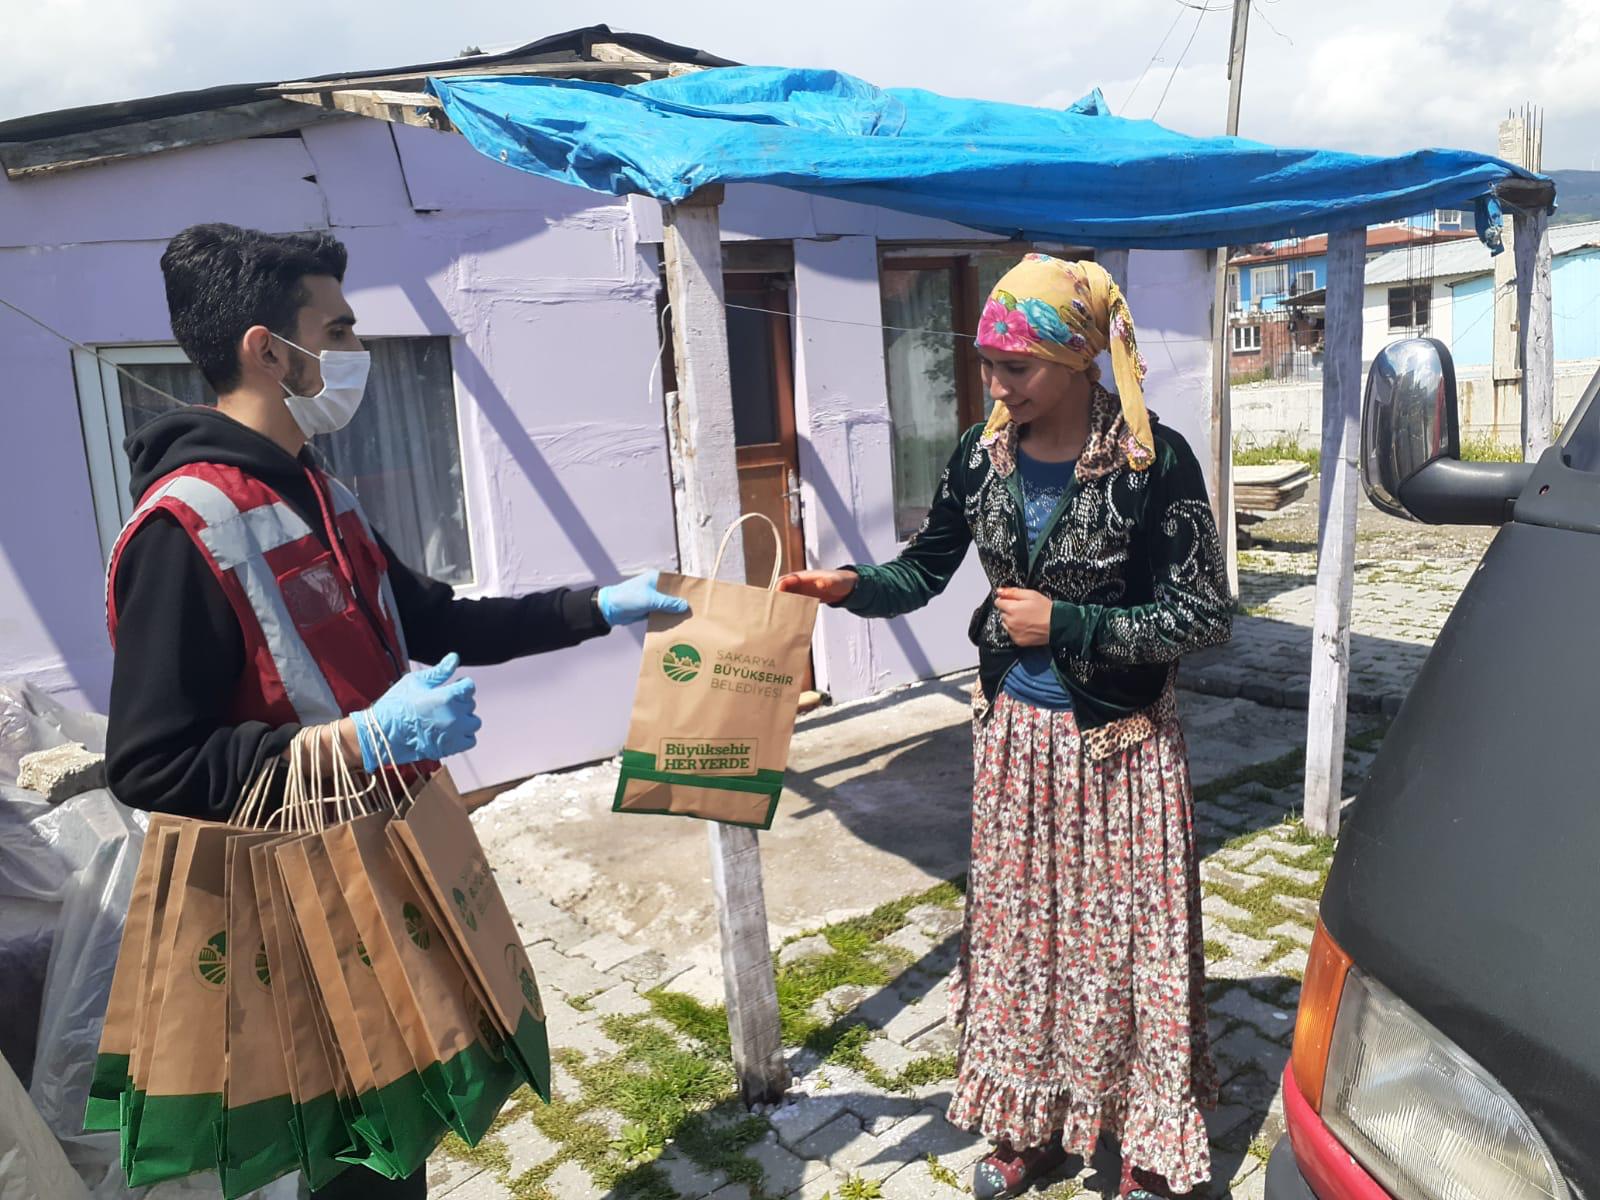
x=513 y=436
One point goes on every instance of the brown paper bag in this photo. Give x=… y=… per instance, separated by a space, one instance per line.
x=454 y=1046
x=397 y=1121
x=324 y=1098
x=129 y=979
x=444 y=851
x=718 y=693
x=182 y=1107
x=255 y=1143
x=156 y=964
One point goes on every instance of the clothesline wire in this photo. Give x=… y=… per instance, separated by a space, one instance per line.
x=77 y=345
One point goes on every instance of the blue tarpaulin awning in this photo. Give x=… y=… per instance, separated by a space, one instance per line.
x=1079 y=174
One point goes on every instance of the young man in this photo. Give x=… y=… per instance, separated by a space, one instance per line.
x=250 y=599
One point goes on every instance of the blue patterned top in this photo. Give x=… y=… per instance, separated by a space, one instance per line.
x=1033 y=678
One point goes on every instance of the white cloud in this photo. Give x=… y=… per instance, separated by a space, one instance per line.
x=1366 y=75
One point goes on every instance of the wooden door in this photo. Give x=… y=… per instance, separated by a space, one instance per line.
x=762 y=371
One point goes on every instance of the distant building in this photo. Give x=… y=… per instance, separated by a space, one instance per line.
x=1276 y=293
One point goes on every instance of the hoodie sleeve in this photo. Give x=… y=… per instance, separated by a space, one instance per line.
x=178 y=661
x=492 y=630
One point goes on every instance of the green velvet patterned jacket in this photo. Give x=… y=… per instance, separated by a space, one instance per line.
x=1131 y=559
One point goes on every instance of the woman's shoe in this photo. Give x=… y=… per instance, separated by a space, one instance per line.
x=1008 y=1172
x=1138 y=1184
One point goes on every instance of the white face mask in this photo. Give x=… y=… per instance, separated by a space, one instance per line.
x=344 y=381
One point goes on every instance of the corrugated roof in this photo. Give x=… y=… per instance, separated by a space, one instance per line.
x=1471 y=257
x=1378 y=237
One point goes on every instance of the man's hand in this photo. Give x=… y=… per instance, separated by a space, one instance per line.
x=424 y=715
x=1026 y=615
x=633 y=601
x=831 y=587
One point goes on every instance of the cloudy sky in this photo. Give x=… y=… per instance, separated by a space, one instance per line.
x=1368 y=75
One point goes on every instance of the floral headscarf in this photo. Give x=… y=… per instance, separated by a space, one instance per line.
x=1069 y=312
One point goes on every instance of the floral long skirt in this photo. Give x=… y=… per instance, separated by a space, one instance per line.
x=1081 y=987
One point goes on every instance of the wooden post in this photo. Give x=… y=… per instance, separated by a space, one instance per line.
x=1336 y=532
x=1535 y=331
x=1221 y=387
x=707 y=479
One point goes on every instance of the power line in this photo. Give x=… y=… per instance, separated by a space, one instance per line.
x=1159 y=45
x=1199 y=19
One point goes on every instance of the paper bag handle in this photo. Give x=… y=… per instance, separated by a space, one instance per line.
x=777 y=540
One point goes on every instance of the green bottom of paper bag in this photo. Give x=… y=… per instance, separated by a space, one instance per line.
x=470 y=1090
x=255 y=1145
x=529 y=1052
x=641 y=767
x=174 y=1137
x=321 y=1132
x=104 y=1110
x=400 y=1126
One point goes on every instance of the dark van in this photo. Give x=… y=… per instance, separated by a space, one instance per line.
x=1447 y=1046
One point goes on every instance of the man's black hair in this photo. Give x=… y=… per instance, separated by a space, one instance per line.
x=222 y=279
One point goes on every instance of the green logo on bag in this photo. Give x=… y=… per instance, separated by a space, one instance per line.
x=467 y=915
x=211 y=964
x=263 y=967
x=681 y=663
x=361 y=952
x=517 y=968
x=416 y=925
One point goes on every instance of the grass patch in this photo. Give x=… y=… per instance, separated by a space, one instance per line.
x=1215 y=951
x=1281 y=449
x=1485 y=447
x=940 y=1173
x=859 y=1188
x=705 y=1023
x=654 y=1082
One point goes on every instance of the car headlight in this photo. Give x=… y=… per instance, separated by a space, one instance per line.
x=1420 y=1115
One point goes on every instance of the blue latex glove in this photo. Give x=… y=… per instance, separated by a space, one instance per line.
x=424 y=716
x=625 y=603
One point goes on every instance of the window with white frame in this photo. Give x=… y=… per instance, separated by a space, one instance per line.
x=1304 y=281
x=1450 y=218
x=1246 y=339
x=1269 y=281
x=401 y=454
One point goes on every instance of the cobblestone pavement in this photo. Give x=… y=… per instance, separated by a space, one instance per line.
x=643 y=1093
x=643 y=1082
x=1406 y=581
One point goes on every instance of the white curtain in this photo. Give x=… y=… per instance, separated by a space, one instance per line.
x=924 y=404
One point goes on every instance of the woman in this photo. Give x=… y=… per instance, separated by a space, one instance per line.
x=1081 y=986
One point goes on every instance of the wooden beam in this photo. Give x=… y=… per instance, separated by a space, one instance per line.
x=115 y=143
x=1336 y=532
x=1535 y=331
x=399 y=108
x=1222 y=422
x=417 y=82
x=706 y=480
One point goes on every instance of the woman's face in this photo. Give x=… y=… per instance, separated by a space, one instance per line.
x=1030 y=387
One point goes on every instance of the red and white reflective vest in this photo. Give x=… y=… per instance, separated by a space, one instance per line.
x=321 y=632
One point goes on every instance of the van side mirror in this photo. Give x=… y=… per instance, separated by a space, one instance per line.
x=1411 y=444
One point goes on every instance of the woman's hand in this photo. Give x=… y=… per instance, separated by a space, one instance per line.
x=831 y=587
x=1026 y=615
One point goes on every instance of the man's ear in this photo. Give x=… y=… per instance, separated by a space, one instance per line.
x=258 y=349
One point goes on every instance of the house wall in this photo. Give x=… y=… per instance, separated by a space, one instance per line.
x=563 y=453
x=1375 y=332
x=548 y=294
x=1574 y=298
x=1316 y=264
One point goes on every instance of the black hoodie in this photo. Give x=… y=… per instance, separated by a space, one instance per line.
x=180 y=651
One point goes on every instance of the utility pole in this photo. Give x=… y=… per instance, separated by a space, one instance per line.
x=1221 y=401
